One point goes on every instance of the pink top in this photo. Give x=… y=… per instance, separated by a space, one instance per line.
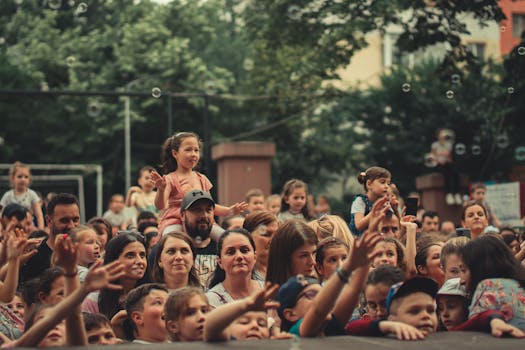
x=179 y=188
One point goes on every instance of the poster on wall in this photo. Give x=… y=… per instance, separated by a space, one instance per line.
x=504 y=199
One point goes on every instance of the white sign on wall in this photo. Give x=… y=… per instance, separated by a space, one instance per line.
x=504 y=200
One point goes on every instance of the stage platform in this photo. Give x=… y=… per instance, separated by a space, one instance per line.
x=448 y=341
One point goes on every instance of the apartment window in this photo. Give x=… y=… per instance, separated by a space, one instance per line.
x=518 y=24
x=478 y=50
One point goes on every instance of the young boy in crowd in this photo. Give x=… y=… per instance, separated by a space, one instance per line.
x=452 y=304
x=98 y=330
x=115 y=214
x=142 y=197
x=255 y=200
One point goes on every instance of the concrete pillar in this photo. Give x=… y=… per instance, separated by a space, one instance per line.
x=432 y=188
x=242 y=166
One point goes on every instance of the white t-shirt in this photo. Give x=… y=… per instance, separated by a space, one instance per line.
x=27 y=199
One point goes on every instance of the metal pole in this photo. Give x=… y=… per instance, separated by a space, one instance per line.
x=170 y=114
x=206 y=136
x=99 y=190
x=127 y=143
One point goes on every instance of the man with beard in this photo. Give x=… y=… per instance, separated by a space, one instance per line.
x=63 y=214
x=197 y=209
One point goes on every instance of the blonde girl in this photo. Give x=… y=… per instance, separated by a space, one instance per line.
x=332 y=226
x=294 y=204
x=185 y=312
x=376 y=182
x=20 y=178
x=180 y=156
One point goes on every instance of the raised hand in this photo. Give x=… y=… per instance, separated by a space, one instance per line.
x=66 y=253
x=238 y=208
x=362 y=252
x=158 y=180
x=378 y=212
x=16 y=244
x=99 y=276
x=262 y=300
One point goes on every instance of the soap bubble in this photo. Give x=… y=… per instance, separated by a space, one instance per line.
x=476 y=150
x=510 y=90
x=455 y=78
x=81 y=8
x=248 y=64
x=406 y=87
x=210 y=88
x=519 y=153
x=94 y=109
x=521 y=50
x=502 y=141
x=70 y=60
x=449 y=94
x=156 y=92
x=2 y=40
x=294 y=12
x=388 y=109
x=430 y=161
x=460 y=149
x=54 y=4
x=71 y=3
x=44 y=86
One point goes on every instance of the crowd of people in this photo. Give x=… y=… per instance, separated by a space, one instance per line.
x=166 y=263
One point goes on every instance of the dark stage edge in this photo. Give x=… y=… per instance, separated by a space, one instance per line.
x=448 y=341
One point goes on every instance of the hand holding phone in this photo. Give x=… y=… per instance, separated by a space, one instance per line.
x=411 y=206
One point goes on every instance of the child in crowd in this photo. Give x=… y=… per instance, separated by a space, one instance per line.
x=185 y=313
x=145 y=308
x=332 y=226
x=377 y=286
x=180 y=156
x=428 y=261
x=273 y=204
x=376 y=182
x=115 y=213
x=142 y=197
x=51 y=289
x=323 y=206
x=442 y=155
x=231 y=222
x=20 y=178
x=255 y=200
x=17 y=305
x=477 y=192
x=294 y=202
x=98 y=330
x=389 y=251
x=103 y=230
x=245 y=319
x=452 y=304
x=451 y=256
x=88 y=248
x=331 y=252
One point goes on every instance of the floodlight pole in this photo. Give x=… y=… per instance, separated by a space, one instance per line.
x=127 y=142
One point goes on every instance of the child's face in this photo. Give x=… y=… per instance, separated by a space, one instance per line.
x=190 y=326
x=433 y=268
x=386 y=254
x=17 y=306
x=304 y=301
x=152 y=325
x=464 y=275
x=451 y=310
x=452 y=266
x=274 y=206
x=144 y=181
x=333 y=257
x=296 y=200
x=56 y=294
x=102 y=336
x=303 y=260
x=21 y=179
x=176 y=258
x=117 y=204
x=56 y=336
x=256 y=203
x=379 y=187
x=188 y=154
x=478 y=194
x=418 y=310
x=251 y=325
x=88 y=248
x=375 y=295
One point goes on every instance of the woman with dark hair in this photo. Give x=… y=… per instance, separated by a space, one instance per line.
x=232 y=278
x=475 y=218
x=428 y=262
x=174 y=262
x=292 y=252
x=130 y=249
x=262 y=225
x=494 y=278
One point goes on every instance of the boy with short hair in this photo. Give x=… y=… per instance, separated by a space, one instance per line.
x=255 y=200
x=98 y=330
x=142 y=197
